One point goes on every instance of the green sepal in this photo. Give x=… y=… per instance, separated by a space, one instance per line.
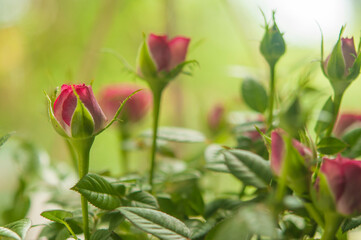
x=336 y=64
x=82 y=123
x=145 y=63
x=177 y=70
x=298 y=175
x=322 y=196
x=58 y=128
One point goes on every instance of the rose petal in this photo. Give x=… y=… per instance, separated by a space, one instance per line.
x=159 y=50
x=278 y=149
x=178 y=47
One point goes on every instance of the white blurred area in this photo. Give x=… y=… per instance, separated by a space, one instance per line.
x=301 y=20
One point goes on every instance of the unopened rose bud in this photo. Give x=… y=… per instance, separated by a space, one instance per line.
x=342 y=66
x=338 y=186
x=346 y=122
x=215 y=117
x=293 y=160
x=77 y=115
x=158 y=56
x=136 y=108
x=272 y=45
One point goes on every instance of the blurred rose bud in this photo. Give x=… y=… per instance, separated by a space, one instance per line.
x=343 y=64
x=136 y=108
x=293 y=159
x=77 y=115
x=340 y=178
x=215 y=117
x=278 y=151
x=158 y=56
x=346 y=122
x=272 y=45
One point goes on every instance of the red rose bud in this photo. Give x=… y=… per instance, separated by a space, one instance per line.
x=294 y=159
x=136 y=108
x=77 y=115
x=215 y=117
x=272 y=45
x=158 y=56
x=343 y=64
x=342 y=180
x=346 y=122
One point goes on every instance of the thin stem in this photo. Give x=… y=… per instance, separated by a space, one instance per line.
x=123 y=139
x=157 y=95
x=336 y=104
x=271 y=95
x=332 y=224
x=82 y=149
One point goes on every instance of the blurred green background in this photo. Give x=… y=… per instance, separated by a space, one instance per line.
x=45 y=43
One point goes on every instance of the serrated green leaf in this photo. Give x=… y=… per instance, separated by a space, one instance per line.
x=16 y=230
x=215 y=159
x=350 y=224
x=200 y=229
x=157 y=223
x=98 y=191
x=5 y=232
x=143 y=199
x=177 y=134
x=248 y=167
x=254 y=95
x=59 y=217
x=331 y=145
x=101 y=234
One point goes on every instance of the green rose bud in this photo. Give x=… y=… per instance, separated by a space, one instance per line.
x=272 y=45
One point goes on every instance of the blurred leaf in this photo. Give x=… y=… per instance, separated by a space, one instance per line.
x=59 y=217
x=200 y=229
x=353 y=139
x=143 y=199
x=157 y=223
x=16 y=230
x=293 y=119
x=226 y=204
x=325 y=118
x=350 y=224
x=177 y=134
x=104 y=234
x=250 y=220
x=331 y=145
x=248 y=167
x=115 y=218
x=4 y=138
x=254 y=95
x=215 y=160
x=98 y=191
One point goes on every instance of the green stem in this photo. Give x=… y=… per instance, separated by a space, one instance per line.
x=314 y=213
x=123 y=139
x=72 y=154
x=82 y=149
x=271 y=95
x=332 y=224
x=157 y=95
x=336 y=107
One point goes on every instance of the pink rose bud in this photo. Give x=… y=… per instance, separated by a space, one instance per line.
x=158 y=54
x=345 y=122
x=343 y=177
x=136 y=108
x=215 y=117
x=78 y=116
x=343 y=64
x=278 y=151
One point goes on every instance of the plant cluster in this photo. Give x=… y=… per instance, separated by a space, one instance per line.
x=298 y=181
